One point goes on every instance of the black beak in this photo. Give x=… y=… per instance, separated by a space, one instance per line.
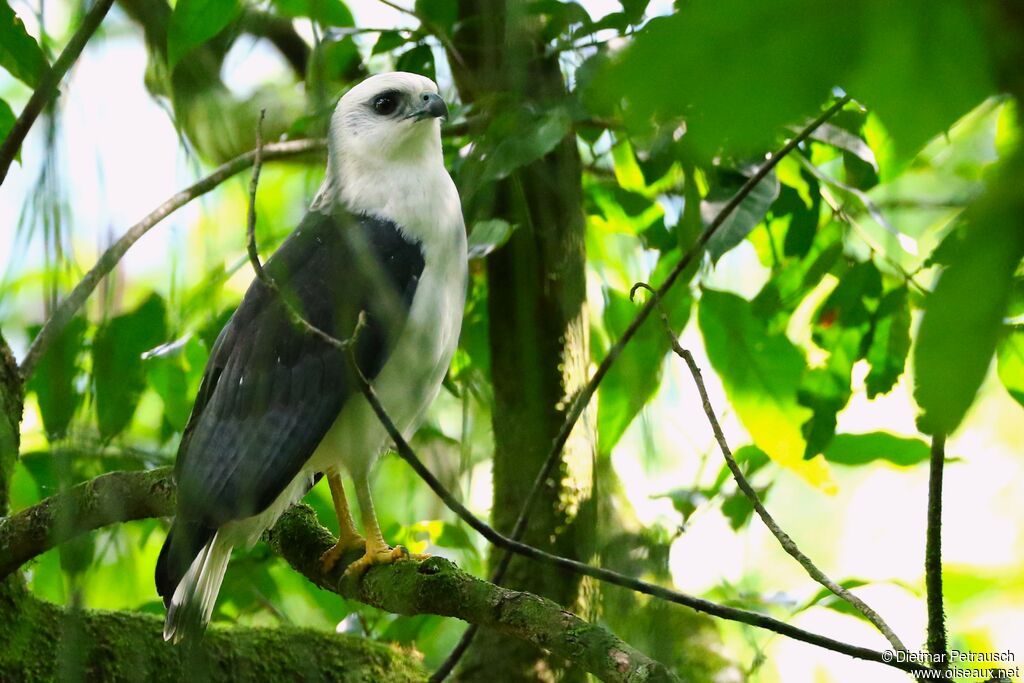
x=431 y=106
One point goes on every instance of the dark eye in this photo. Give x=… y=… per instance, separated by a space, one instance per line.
x=385 y=104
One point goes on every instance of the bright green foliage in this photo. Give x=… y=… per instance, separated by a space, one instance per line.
x=963 y=315
x=54 y=381
x=761 y=373
x=326 y=12
x=118 y=373
x=19 y=53
x=890 y=342
x=1010 y=353
x=799 y=52
x=636 y=375
x=194 y=22
x=841 y=327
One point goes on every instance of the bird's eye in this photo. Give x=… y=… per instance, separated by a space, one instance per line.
x=385 y=104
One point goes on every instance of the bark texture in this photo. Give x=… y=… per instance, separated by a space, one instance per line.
x=538 y=325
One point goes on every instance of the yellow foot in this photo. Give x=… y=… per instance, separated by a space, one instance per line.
x=335 y=552
x=383 y=555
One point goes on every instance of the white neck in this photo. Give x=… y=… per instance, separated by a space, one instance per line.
x=414 y=192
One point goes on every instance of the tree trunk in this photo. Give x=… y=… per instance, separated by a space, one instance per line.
x=538 y=325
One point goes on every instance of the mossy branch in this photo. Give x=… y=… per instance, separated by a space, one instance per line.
x=435 y=586
x=98 y=645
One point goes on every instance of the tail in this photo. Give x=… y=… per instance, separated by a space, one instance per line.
x=188 y=577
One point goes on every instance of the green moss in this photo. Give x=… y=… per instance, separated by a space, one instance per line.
x=44 y=642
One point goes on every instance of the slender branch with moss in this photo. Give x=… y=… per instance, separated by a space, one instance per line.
x=787 y=543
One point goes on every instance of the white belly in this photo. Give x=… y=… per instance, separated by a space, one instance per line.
x=411 y=377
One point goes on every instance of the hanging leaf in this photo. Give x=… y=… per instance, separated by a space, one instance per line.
x=743 y=218
x=19 y=52
x=963 y=315
x=1010 y=354
x=118 y=372
x=890 y=342
x=861 y=449
x=761 y=373
x=54 y=379
x=193 y=22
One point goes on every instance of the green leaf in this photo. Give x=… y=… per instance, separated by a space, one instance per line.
x=1010 y=354
x=438 y=13
x=890 y=342
x=118 y=371
x=54 y=379
x=841 y=326
x=6 y=119
x=418 y=60
x=19 y=52
x=534 y=137
x=743 y=218
x=636 y=375
x=388 y=41
x=325 y=12
x=761 y=373
x=861 y=449
x=454 y=536
x=738 y=509
x=487 y=236
x=963 y=315
x=193 y=22
x=944 y=72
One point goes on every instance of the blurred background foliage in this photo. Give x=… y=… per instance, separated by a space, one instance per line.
x=869 y=292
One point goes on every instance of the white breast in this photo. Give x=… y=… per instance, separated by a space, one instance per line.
x=412 y=375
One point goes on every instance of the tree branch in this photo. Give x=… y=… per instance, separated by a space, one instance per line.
x=64 y=312
x=43 y=641
x=105 y=500
x=933 y=552
x=435 y=586
x=48 y=83
x=787 y=543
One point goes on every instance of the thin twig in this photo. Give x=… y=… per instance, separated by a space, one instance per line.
x=48 y=83
x=582 y=399
x=787 y=543
x=66 y=310
x=254 y=256
x=601 y=574
x=584 y=396
x=933 y=553
x=514 y=546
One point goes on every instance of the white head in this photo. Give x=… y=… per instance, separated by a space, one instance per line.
x=388 y=118
x=384 y=154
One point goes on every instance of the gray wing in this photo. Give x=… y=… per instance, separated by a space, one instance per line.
x=271 y=390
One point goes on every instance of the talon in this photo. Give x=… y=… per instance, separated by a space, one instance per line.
x=331 y=556
x=381 y=555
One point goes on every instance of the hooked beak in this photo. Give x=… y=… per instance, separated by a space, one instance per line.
x=431 y=107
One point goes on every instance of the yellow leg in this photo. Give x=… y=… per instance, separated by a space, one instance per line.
x=377 y=551
x=348 y=537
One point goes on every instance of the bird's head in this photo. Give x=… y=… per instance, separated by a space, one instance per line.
x=389 y=118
